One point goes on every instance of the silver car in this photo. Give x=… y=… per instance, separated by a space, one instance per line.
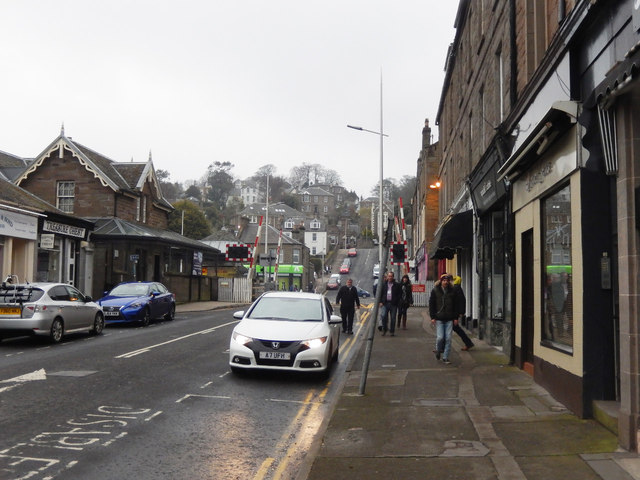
x=48 y=309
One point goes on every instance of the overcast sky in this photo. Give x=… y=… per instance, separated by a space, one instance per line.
x=252 y=82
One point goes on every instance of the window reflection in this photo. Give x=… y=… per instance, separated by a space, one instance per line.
x=557 y=325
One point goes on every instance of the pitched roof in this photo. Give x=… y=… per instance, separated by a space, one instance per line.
x=15 y=196
x=279 y=208
x=248 y=235
x=312 y=190
x=114 y=227
x=11 y=165
x=119 y=176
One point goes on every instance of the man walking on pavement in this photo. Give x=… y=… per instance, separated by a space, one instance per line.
x=462 y=307
x=348 y=299
x=389 y=300
x=443 y=309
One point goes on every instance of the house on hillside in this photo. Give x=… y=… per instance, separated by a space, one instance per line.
x=124 y=200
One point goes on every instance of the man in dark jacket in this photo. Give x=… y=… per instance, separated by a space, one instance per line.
x=444 y=305
x=389 y=301
x=348 y=299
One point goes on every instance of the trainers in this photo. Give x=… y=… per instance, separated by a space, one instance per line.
x=446 y=361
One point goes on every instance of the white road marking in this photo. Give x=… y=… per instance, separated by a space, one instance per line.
x=150 y=347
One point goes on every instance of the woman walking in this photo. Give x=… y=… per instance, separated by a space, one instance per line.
x=406 y=300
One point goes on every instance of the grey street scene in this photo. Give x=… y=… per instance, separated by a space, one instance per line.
x=298 y=241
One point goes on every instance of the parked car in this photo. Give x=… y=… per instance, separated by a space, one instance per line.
x=362 y=292
x=286 y=331
x=334 y=282
x=352 y=252
x=47 y=309
x=138 y=302
x=376 y=270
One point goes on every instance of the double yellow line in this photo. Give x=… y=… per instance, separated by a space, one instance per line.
x=293 y=437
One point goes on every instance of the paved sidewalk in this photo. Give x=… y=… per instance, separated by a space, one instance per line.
x=478 y=418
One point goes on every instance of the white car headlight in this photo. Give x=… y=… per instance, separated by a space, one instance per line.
x=314 y=342
x=241 y=339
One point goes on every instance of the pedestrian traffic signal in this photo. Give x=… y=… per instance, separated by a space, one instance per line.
x=398 y=253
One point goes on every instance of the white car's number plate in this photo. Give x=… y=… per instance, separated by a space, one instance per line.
x=275 y=355
x=112 y=314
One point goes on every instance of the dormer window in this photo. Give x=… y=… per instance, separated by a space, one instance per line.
x=305 y=197
x=314 y=225
x=288 y=224
x=253 y=219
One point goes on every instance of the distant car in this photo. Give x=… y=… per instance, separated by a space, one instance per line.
x=376 y=270
x=286 y=331
x=362 y=292
x=48 y=309
x=138 y=302
x=344 y=268
x=352 y=252
x=334 y=282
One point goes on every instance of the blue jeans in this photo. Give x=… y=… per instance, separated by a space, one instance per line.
x=389 y=310
x=443 y=337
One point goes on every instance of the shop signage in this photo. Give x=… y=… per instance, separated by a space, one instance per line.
x=17 y=225
x=486 y=189
x=47 y=240
x=63 y=229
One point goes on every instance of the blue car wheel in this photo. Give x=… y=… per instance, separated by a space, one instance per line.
x=146 y=318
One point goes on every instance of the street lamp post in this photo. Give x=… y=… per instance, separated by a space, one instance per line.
x=381 y=135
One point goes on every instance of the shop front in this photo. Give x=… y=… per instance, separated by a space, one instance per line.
x=564 y=327
x=18 y=236
x=494 y=275
x=63 y=251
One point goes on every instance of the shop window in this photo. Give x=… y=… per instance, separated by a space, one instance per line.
x=497 y=265
x=557 y=311
x=65 y=196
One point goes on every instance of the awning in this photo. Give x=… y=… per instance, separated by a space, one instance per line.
x=619 y=77
x=560 y=117
x=455 y=233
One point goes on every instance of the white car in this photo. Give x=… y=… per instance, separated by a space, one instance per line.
x=286 y=331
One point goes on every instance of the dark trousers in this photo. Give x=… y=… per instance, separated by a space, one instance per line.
x=347 y=319
x=462 y=334
x=389 y=313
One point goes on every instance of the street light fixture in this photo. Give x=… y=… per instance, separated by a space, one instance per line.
x=381 y=134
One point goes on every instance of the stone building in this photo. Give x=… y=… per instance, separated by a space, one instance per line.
x=537 y=120
x=125 y=202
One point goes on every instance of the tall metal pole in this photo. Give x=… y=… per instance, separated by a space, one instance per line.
x=380 y=240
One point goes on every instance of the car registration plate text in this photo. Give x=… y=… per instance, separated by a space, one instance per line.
x=112 y=314
x=275 y=355
x=9 y=310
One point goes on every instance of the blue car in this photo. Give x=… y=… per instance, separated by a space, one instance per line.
x=362 y=292
x=138 y=302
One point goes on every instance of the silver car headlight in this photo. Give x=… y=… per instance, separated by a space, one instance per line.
x=241 y=339
x=314 y=342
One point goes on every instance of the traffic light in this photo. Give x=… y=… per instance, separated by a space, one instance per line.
x=398 y=253
x=238 y=252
